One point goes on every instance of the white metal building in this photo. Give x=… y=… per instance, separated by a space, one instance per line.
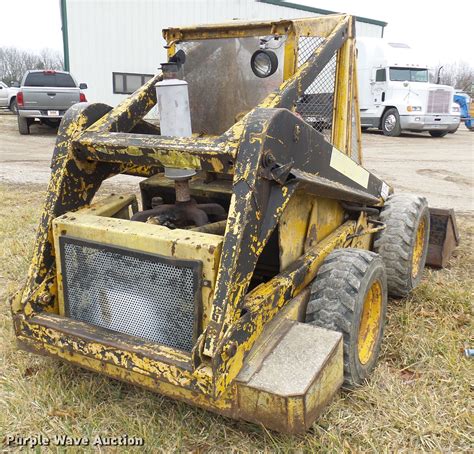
x=115 y=45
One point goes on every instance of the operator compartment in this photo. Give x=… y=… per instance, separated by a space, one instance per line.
x=135 y=278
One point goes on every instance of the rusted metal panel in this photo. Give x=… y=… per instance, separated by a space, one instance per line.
x=295 y=380
x=444 y=237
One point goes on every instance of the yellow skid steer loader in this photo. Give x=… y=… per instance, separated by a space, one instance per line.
x=253 y=279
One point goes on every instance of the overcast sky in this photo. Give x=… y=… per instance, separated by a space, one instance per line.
x=441 y=33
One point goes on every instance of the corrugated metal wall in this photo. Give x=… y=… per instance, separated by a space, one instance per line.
x=107 y=36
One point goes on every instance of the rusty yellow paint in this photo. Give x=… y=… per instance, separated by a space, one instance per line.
x=328 y=216
x=288 y=412
x=364 y=236
x=290 y=54
x=356 y=110
x=418 y=248
x=266 y=300
x=145 y=96
x=331 y=375
x=317 y=26
x=173 y=382
x=342 y=114
x=234 y=29
x=294 y=228
x=370 y=321
x=311 y=26
x=306 y=221
x=109 y=206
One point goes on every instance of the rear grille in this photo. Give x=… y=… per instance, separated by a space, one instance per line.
x=143 y=295
x=439 y=101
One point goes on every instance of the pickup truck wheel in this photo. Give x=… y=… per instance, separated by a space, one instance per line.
x=23 y=125
x=403 y=244
x=439 y=133
x=13 y=105
x=349 y=295
x=391 y=123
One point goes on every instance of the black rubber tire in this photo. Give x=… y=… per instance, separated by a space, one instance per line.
x=337 y=298
x=438 y=133
x=13 y=106
x=23 y=125
x=397 y=130
x=402 y=214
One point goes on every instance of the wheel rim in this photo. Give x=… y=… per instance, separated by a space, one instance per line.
x=390 y=122
x=418 y=248
x=370 y=323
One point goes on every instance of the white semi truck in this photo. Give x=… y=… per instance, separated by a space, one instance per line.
x=395 y=94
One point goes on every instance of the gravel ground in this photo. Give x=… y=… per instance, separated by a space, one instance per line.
x=440 y=169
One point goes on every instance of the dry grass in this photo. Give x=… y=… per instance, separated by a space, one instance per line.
x=419 y=397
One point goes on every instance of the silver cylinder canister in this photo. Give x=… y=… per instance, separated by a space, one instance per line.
x=175 y=117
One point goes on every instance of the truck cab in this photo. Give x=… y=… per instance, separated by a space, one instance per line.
x=395 y=92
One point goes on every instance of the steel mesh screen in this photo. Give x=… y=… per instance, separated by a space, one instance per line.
x=130 y=292
x=316 y=104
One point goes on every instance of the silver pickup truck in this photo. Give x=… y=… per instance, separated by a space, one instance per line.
x=45 y=96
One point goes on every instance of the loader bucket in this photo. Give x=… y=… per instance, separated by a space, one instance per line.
x=444 y=237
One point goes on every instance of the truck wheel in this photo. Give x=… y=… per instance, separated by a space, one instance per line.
x=391 y=123
x=13 y=106
x=23 y=125
x=403 y=244
x=349 y=295
x=439 y=133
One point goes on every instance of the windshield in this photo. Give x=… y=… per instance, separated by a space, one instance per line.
x=410 y=74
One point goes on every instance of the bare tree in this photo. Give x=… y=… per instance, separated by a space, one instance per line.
x=15 y=62
x=50 y=59
x=459 y=75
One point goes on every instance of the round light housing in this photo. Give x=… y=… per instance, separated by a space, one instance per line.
x=264 y=63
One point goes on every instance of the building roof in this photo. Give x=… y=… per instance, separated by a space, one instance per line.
x=312 y=9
